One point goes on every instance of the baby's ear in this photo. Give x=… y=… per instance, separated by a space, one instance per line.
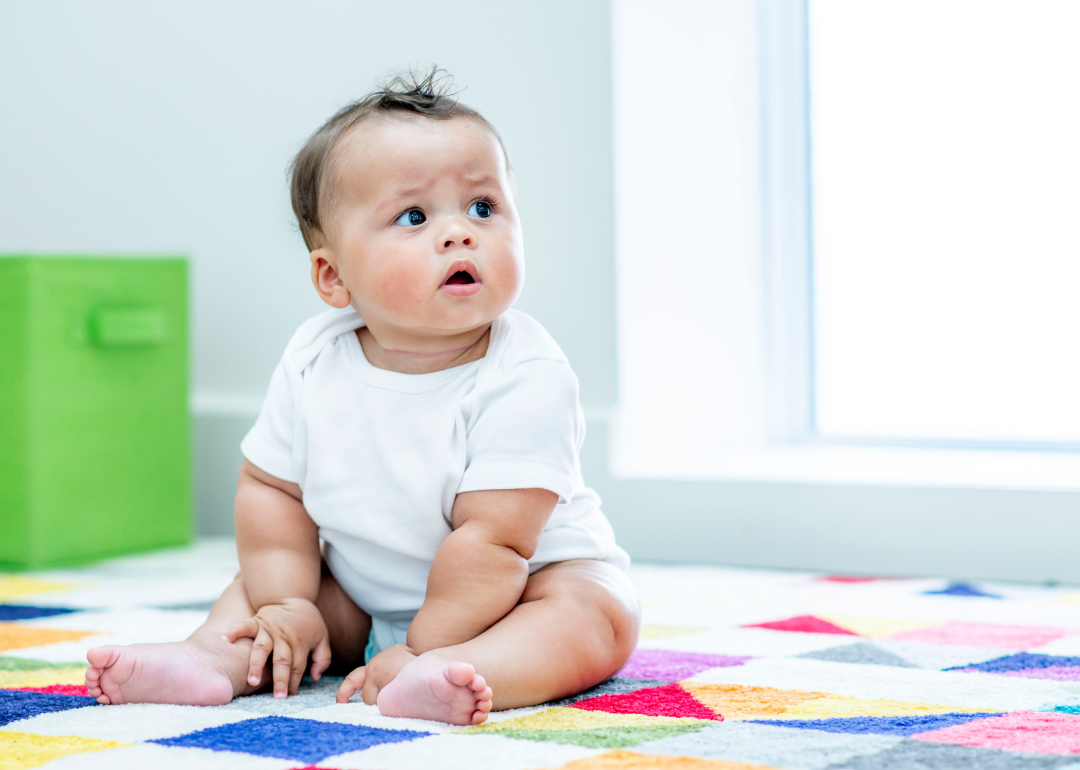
x=326 y=279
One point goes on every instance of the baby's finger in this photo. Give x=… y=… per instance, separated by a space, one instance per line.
x=370 y=693
x=282 y=668
x=260 y=651
x=320 y=659
x=247 y=629
x=299 y=663
x=353 y=682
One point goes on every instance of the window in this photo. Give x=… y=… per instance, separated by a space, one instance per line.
x=847 y=247
x=945 y=200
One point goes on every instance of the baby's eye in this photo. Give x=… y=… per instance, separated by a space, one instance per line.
x=480 y=210
x=411 y=218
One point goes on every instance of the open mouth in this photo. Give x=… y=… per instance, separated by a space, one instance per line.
x=460 y=278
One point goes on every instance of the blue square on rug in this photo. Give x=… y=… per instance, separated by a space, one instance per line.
x=306 y=740
x=25 y=612
x=18 y=704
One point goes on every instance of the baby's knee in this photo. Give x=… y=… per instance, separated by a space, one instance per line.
x=611 y=599
x=623 y=612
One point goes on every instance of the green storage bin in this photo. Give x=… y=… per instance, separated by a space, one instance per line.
x=95 y=452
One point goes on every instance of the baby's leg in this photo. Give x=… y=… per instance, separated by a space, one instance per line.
x=576 y=625
x=347 y=625
x=206 y=670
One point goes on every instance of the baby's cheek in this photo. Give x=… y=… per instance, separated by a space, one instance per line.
x=509 y=273
x=401 y=289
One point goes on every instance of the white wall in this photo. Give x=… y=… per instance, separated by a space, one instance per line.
x=133 y=127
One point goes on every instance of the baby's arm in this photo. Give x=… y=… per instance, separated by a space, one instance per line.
x=280 y=562
x=480 y=570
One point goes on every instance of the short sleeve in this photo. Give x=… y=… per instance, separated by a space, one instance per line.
x=526 y=431
x=270 y=444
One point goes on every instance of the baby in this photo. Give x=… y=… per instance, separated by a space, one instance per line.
x=411 y=497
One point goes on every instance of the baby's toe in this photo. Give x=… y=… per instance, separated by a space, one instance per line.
x=461 y=674
x=482 y=704
x=100 y=657
x=92 y=680
x=478 y=684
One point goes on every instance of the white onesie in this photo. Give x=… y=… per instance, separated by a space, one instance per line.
x=380 y=455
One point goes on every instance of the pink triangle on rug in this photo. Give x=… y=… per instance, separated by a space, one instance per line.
x=807 y=624
x=667 y=701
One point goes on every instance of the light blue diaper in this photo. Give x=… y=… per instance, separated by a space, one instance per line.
x=386 y=632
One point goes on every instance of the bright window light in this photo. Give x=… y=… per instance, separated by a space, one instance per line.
x=945 y=197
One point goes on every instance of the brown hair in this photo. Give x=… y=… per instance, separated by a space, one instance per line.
x=427 y=95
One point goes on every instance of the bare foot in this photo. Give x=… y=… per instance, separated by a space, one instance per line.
x=436 y=687
x=183 y=673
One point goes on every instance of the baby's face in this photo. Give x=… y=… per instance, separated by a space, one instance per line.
x=422 y=229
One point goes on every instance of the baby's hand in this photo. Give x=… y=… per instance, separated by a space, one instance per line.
x=291 y=630
x=379 y=672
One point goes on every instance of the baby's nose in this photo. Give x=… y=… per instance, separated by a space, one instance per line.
x=466 y=241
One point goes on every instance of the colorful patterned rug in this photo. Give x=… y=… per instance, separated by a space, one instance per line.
x=737 y=668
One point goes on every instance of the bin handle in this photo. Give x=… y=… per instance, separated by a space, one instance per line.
x=122 y=327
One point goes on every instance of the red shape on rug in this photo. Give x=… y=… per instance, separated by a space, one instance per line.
x=667 y=701
x=57 y=689
x=808 y=624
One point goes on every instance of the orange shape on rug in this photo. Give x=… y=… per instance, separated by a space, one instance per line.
x=14 y=636
x=739 y=701
x=671 y=700
x=629 y=760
